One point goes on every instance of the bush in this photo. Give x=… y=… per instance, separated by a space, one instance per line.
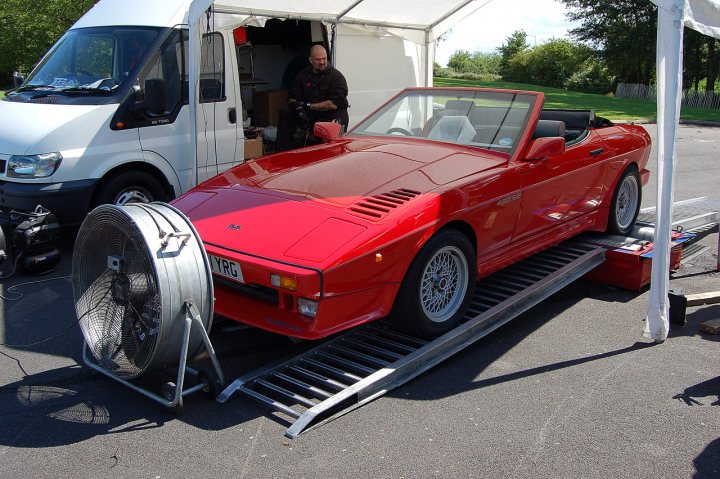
x=450 y=73
x=593 y=77
x=463 y=61
x=551 y=63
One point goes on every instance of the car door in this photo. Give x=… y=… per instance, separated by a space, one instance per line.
x=561 y=188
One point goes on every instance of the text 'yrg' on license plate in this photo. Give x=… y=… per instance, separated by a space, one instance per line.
x=225 y=267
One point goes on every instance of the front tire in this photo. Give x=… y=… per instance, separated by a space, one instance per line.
x=130 y=187
x=438 y=286
x=625 y=204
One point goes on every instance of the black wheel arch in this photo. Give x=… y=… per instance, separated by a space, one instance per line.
x=133 y=167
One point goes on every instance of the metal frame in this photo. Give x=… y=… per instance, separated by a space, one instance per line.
x=192 y=316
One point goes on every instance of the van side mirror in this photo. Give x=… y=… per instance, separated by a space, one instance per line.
x=327 y=131
x=154 y=102
x=17 y=79
x=542 y=148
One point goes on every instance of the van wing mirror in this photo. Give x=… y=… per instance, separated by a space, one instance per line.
x=327 y=131
x=17 y=79
x=545 y=147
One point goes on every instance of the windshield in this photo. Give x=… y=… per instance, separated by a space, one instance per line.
x=92 y=59
x=490 y=119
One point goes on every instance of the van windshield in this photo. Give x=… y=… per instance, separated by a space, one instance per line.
x=92 y=61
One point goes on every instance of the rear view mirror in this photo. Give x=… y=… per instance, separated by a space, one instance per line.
x=327 y=130
x=545 y=147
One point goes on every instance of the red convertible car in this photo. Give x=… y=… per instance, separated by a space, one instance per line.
x=400 y=216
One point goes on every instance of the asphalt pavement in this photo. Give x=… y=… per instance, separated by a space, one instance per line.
x=569 y=389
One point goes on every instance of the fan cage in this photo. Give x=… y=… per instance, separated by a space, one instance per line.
x=130 y=285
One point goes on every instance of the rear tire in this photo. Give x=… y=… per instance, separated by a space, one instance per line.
x=130 y=187
x=438 y=286
x=625 y=204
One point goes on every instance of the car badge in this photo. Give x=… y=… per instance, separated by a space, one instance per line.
x=234 y=227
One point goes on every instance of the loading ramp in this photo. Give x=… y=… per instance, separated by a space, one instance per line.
x=366 y=362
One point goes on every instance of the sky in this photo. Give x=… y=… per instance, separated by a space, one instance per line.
x=489 y=27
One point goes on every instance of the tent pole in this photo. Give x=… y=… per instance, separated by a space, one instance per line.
x=669 y=84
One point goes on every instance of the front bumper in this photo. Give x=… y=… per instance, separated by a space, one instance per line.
x=69 y=201
x=257 y=303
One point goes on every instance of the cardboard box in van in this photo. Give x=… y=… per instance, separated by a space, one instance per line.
x=267 y=106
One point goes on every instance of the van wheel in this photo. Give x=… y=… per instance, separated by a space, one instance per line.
x=130 y=187
x=438 y=286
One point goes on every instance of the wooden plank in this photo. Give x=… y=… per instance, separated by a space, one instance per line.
x=698 y=299
x=710 y=327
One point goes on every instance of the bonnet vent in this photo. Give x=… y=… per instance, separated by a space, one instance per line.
x=378 y=206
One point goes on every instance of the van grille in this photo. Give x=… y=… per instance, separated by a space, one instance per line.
x=2 y=166
x=378 y=206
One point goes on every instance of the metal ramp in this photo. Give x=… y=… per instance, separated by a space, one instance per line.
x=366 y=362
x=700 y=216
x=696 y=215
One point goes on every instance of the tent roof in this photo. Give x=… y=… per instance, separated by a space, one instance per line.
x=420 y=21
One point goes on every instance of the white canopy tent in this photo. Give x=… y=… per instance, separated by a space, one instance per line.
x=703 y=16
x=423 y=21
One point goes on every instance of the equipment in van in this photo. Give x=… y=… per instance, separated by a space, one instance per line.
x=36 y=240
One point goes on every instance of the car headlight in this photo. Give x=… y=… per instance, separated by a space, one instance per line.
x=33 y=166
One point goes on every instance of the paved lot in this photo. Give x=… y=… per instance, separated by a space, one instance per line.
x=569 y=389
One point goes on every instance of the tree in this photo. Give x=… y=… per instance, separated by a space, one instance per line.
x=623 y=31
x=462 y=61
x=694 y=50
x=514 y=44
x=28 y=28
x=551 y=64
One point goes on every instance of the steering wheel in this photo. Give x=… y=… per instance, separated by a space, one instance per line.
x=397 y=129
x=84 y=72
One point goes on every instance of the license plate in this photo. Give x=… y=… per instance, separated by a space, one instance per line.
x=226 y=268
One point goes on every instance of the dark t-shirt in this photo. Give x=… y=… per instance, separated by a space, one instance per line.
x=311 y=87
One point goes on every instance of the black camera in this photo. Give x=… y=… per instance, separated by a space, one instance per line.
x=36 y=240
x=299 y=108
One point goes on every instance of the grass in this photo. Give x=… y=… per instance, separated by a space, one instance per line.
x=604 y=106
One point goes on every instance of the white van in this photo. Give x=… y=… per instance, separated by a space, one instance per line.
x=104 y=116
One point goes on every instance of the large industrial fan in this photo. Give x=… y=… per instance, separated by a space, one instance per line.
x=144 y=296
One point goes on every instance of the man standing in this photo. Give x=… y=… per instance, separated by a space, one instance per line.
x=318 y=93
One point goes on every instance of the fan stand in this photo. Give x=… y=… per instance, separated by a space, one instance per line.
x=172 y=393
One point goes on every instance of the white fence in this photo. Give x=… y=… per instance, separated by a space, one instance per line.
x=691 y=98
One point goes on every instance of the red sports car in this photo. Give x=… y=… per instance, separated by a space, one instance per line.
x=400 y=216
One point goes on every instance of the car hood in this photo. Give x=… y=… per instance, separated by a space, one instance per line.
x=341 y=173
x=308 y=204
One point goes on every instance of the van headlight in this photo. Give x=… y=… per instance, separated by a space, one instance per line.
x=33 y=166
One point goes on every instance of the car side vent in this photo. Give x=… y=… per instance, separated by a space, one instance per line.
x=378 y=206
